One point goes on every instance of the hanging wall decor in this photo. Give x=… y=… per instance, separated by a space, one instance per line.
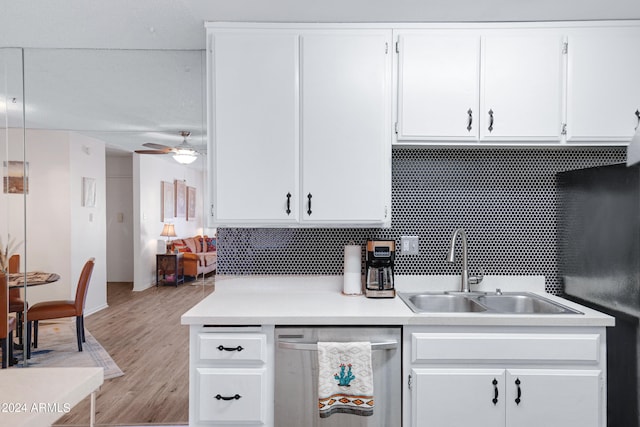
x=16 y=177
x=167 y=201
x=181 y=199
x=88 y=192
x=191 y=203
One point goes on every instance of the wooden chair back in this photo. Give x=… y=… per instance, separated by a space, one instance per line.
x=14 y=263
x=4 y=306
x=14 y=267
x=83 y=284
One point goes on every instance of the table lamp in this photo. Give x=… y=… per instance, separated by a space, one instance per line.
x=168 y=231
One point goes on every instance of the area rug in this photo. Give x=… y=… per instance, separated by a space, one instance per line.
x=57 y=347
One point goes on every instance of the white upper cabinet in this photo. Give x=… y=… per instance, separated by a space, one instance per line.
x=521 y=90
x=253 y=127
x=438 y=93
x=603 y=97
x=470 y=86
x=346 y=126
x=299 y=126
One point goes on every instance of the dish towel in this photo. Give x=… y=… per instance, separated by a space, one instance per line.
x=345 y=378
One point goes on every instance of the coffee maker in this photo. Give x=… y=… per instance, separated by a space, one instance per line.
x=379 y=269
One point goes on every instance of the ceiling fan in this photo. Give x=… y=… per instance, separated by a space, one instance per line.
x=184 y=153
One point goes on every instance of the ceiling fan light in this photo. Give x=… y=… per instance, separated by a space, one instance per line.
x=185 y=157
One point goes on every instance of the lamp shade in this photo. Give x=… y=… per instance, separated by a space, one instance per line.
x=185 y=156
x=168 y=231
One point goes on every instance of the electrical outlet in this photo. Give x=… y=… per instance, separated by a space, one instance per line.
x=410 y=245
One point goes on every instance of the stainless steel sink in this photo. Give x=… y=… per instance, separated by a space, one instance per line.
x=524 y=303
x=505 y=303
x=442 y=303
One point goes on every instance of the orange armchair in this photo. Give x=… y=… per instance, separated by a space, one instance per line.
x=59 y=309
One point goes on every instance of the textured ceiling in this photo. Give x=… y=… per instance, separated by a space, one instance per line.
x=130 y=72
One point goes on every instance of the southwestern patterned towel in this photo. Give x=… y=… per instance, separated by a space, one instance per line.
x=345 y=378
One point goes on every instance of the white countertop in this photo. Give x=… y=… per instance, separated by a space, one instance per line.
x=37 y=397
x=318 y=300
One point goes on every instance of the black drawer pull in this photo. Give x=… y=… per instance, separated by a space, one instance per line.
x=470 y=119
x=495 y=391
x=309 y=196
x=518 y=400
x=490 y=120
x=223 y=348
x=235 y=397
x=288 y=211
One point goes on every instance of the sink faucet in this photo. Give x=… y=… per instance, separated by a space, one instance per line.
x=465 y=279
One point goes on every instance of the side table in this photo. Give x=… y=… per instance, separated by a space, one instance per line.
x=169 y=269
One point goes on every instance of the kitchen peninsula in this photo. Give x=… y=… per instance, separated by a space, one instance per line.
x=545 y=358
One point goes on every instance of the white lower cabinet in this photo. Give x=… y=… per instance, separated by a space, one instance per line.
x=481 y=376
x=231 y=376
x=232 y=395
x=500 y=397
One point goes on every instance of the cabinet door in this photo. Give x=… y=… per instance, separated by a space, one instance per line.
x=521 y=91
x=438 y=91
x=254 y=127
x=603 y=89
x=554 y=398
x=346 y=139
x=457 y=397
x=231 y=395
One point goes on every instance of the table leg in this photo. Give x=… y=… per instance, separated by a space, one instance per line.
x=92 y=415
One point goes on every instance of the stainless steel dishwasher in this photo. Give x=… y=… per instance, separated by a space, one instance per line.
x=296 y=376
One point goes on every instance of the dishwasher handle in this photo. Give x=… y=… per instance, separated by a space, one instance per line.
x=289 y=345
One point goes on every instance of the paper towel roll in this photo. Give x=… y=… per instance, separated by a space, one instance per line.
x=352 y=277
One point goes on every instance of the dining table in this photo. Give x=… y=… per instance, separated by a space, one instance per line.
x=33 y=278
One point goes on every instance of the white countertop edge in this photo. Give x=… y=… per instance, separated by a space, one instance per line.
x=276 y=290
x=65 y=386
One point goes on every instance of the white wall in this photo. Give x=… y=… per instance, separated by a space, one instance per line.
x=88 y=224
x=119 y=184
x=148 y=173
x=60 y=235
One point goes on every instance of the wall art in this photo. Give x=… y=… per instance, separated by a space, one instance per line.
x=167 y=201
x=191 y=203
x=181 y=199
x=16 y=177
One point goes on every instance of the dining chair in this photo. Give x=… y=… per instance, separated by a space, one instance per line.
x=16 y=303
x=59 y=309
x=7 y=324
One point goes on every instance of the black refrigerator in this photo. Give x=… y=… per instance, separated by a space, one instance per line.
x=599 y=263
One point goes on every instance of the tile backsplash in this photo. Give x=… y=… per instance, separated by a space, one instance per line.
x=505 y=199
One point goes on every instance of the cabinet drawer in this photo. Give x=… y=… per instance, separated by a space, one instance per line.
x=430 y=347
x=247 y=347
x=228 y=395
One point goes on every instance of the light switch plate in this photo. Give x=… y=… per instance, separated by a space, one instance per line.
x=410 y=245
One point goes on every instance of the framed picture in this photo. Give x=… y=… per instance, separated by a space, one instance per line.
x=181 y=199
x=166 y=201
x=191 y=203
x=88 y=192
x=16 y=177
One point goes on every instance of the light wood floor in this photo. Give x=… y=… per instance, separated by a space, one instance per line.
x=142 y=333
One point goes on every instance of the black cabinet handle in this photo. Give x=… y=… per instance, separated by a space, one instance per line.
x=309 y=196
x=490 y=120
x=638 y=116
x=495 y=391
x=234 y=397
x=223 y=348
x=519 y=391
x=288 y=204
x=470 y=119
